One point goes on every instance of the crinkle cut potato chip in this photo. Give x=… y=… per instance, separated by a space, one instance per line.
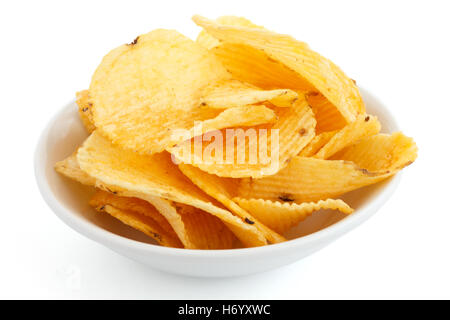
x=249 y=64
x=369 y=161
x=144 y=91
x=253 y=66
x=244 y=116
x=141 y=92
x=205 y=230
x=168 y=210
x=317 y=143
x=216 y=238
x=138 y=214
x=294 y=127
x=196 y=229
x=70 y=168
x=154 y=176
x=209 y=42
x=214 y=234
x=133 y=204
x=142 y=223
x=381 y=152
x=327 y=116
x=85 y=110
x=233 y=93
x=282 y=216
x=222 y=189
x=320 y=72
x=363 y=126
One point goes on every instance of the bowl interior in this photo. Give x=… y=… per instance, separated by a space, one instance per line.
x=66 y=132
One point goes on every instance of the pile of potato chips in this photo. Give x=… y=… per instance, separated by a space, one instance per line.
x=235 y=75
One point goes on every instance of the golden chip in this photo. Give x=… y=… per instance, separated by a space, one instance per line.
x=308 y=179
x=323 y=74
x=168 y=210
x=363 y=126
x=142 y=94
x=249 y=64
x=149 y=177
x=205 y=230
x=383 y=153
x=210 y=42
x=85 y=110
x=254 y=155
x=317 y=143
x=253 y=66
x=327 y=116
x=195 y=228
x=222 y=190
x=70 y=168
x=135 y=205
x=233 y=93
x=283 y=216
x=138 y=214
x=238 y=116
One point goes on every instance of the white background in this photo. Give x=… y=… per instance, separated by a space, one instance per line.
x=399 y=50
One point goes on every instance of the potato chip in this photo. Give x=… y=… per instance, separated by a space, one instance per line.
x=363 y=126
x=200 y=230
x=233 y=93
x=149 y=177
x=327 y=116
x=254 y=66
x=251 y=65
x=209 y=42
x=70 y=168
x=238 y=116
x=222 y=190
x=168 y=210
x=133 y=204
x=138 y=214
x=294 y=127
x=205 y=230
x=381 y=153
x=85 y=110
x=308 y=179
x=323 y=74
x=317 y=143
x=195 y=228
x=145 y=91
x=141 y=223
x=283 y=216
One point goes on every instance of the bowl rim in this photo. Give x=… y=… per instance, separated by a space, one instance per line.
x=101 y=235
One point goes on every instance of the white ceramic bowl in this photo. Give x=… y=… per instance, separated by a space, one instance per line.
x=69 y=201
